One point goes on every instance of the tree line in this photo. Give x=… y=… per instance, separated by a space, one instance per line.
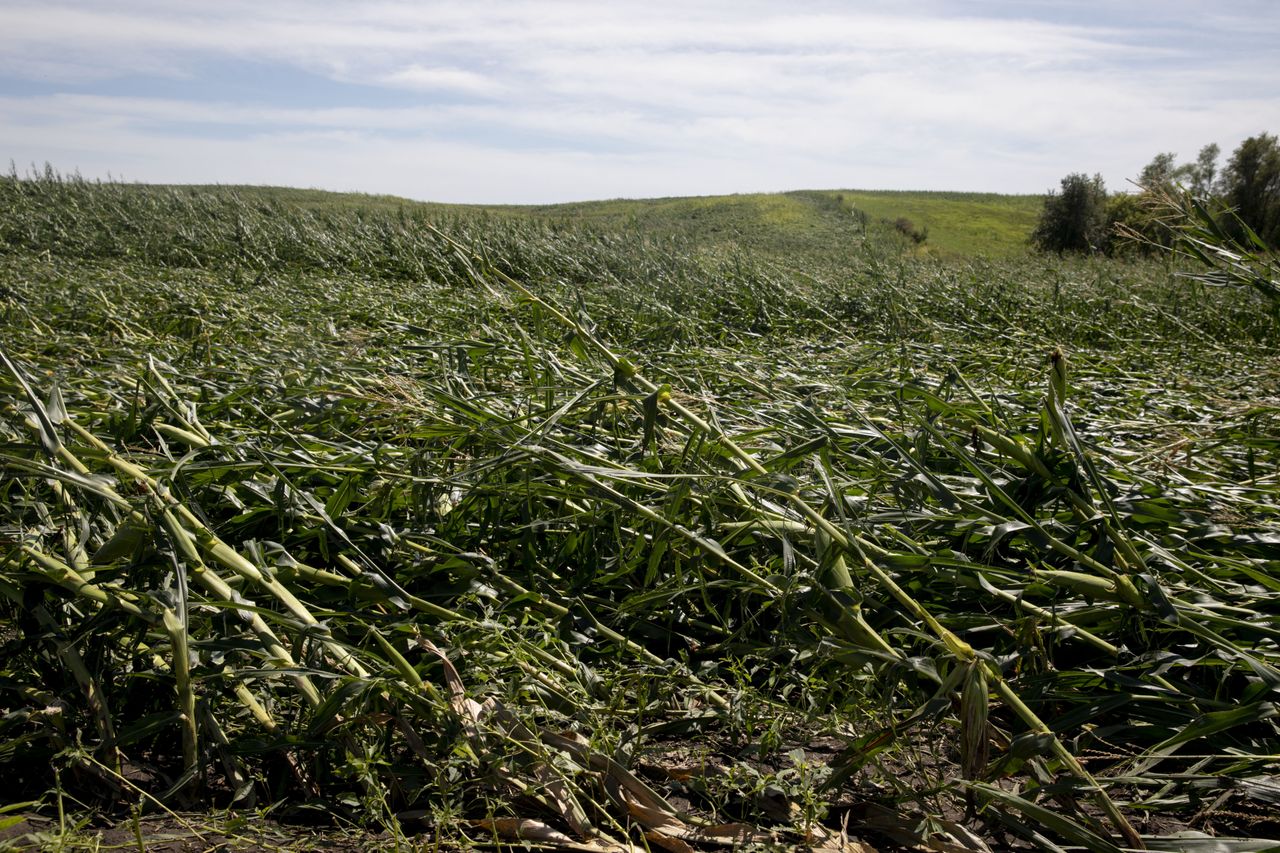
x=1083 y=217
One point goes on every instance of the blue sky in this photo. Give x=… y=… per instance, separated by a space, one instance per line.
x=527 y=102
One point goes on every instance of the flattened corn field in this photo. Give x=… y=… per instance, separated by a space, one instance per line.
x=474 y=529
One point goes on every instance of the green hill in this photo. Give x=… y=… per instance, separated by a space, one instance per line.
x=958 y=223
x=809 y=221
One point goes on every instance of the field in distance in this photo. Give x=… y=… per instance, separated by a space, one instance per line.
x=810 y=221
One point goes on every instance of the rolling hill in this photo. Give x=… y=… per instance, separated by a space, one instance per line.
x=810 y=221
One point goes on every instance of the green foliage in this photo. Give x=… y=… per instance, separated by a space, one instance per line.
x=484 y=518
x=1251 y=185
x=1074 y=219
x=1136 y=220
x=1202 y=175
x=1135 y=224
x=1163 y=170
x=1206 y=235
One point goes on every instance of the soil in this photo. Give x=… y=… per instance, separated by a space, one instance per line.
x=715 y=779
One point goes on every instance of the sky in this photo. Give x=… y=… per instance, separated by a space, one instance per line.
x=559 y=100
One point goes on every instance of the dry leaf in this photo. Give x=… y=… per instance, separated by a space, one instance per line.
x=824 y=840
x=668 y=842
x=524 y=829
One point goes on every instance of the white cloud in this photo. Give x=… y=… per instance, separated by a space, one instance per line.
x=535 y=101
x=442 y=79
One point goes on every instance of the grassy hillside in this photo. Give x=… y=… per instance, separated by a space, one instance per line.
x=812 y=222
x=778 y=224
x=958 y=223
x=489 y=529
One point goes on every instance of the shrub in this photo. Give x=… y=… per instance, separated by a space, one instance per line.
x=1075 y=219
x=907 y=228
x=1134 y=225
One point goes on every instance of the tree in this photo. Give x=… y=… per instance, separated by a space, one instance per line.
x=1251 y=185
x=1074 y=219
x=1162 y=171
x=1203 y=172
x=1135 y=219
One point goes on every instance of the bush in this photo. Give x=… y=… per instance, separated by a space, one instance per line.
x=907 y=228
x=1134 y=225
x=1075 y=219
